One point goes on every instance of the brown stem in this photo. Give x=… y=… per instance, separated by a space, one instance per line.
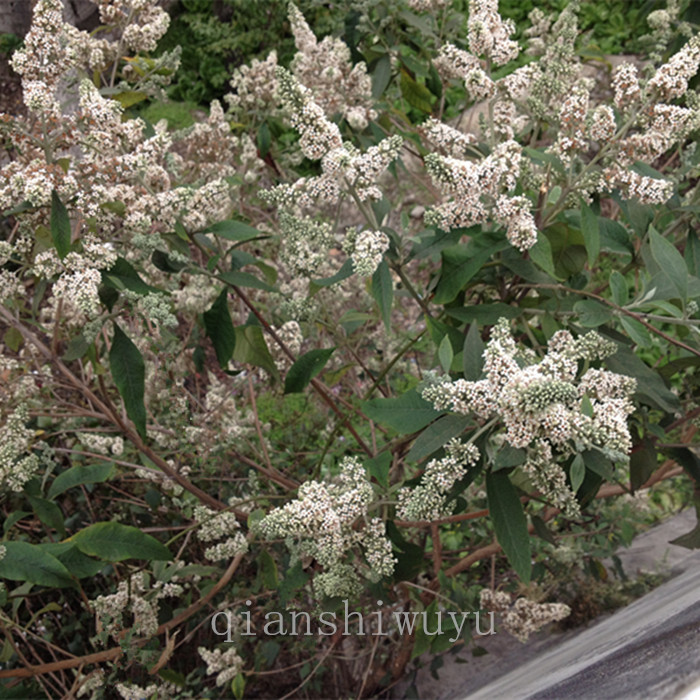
x=111 y=654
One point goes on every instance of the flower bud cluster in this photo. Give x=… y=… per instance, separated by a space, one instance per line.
x=524 y=617
x=427 y=500
x=219 y=526
x=478 y=192
x=305 y=244
x=17 y=464
x=367 y=249
x=338 y=86
x=541 y=406
x=343 y=166
x=226 y=664
x=130 y=597
x=489 y=34
x=321 y=523
x=103 y=444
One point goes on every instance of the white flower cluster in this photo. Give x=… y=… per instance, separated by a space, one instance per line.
x=427 y=5
x=367 y=249
x=214 y=525
x=452 y=62
x=427 y=501
x=226 y=664
x=489 y=34
x=541 y=406
x=320 y=523
x=290 y=334
x=135 y=692
x=671 y=80
x=342 y=165
x=17 y=464
x=103 y=444
x=130 y=596
x=305 y=244
x=648 y=190
x=448 y=141
x=255 y=85
x=478 y=191
x=572 y=121
x=338 y=86
x=80 y=275
x=524 y=617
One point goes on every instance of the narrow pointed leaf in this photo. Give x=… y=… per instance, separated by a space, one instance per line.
x=111 y=541
x=219 y=328
x=383 y=291
x=509 y=522
x=128 y=371
x=305 y=369
x=29 y=562
x=60 y=226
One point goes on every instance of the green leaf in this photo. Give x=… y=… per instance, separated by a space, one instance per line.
x=445 y=354
x=345 y=271
x=643 y=463
x=691 y=540
x=305 y=369
x=128 y=371
x=13 y=518
x=509 y=522
x=267 y=570
x=49 y=514
x=415 y=94
x=251 y=349
x=381 y=76
x=379 y=466
x=245 y=279
x=598 y=463
x=651 y=388
x=591 y=313
x=78 y=475
x=577 y=473
x=238 y=686
x=618 y=288
x=436 y=435
x=422 y=639
x=233 y=230
x=636 y=331
x=405 y=414
x=509 y=456
x=77 y=347
x=128 y=98
x=591 y=233
x=13 y=339
x=383 y=291
x=122 y=275
x=472 y=354
x=541 y=254
x=294 y=580
x=116 y=542
x=77 y=563
x=219 y=328
x=60 y=226
x=483 y=314
x=542 y=531
x=670 y=261
x=264 y=139
x=29 y=562
x=459 y=264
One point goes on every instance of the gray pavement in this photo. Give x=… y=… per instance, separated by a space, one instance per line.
x=647 y=651
x=650 y=649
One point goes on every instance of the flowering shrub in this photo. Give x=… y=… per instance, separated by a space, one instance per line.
x=328 y=349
